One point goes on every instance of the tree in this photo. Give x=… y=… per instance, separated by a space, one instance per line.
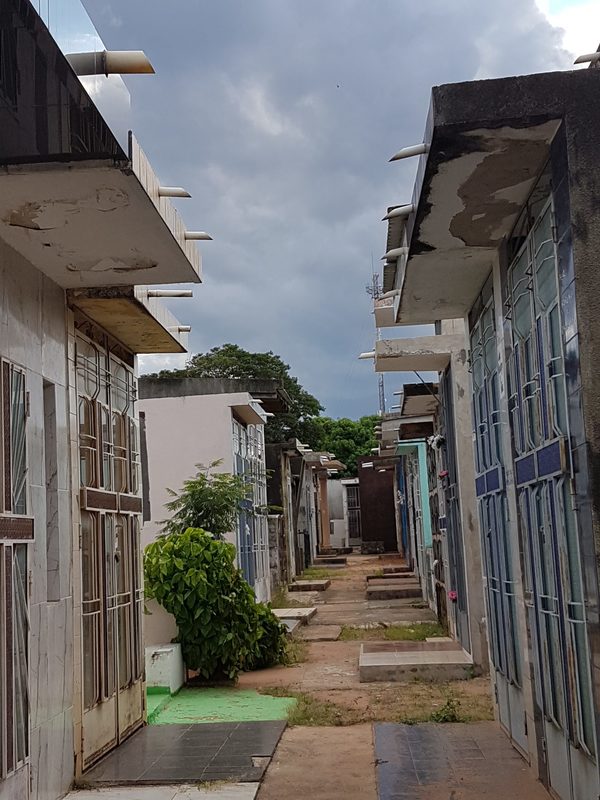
x=346 y=438
x=232 y=361
x=210 y=500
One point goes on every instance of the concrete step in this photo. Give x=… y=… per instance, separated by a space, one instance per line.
x=401 y=570
x=321 y=633
x=303 y=615
x=396 y=591
x=395 y=576
x=319 y=560
x=405 y=661
x=309 y=586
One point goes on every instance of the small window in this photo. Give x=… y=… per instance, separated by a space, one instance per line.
x=14 y=444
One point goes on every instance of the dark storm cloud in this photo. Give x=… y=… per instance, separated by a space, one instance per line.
x=279 y=117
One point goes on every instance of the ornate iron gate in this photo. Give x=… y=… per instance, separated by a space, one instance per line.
x=493 y=515
x=539 y=425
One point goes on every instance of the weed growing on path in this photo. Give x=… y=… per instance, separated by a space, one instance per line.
x=321 y=573
x=449 y=712
x=296 y=652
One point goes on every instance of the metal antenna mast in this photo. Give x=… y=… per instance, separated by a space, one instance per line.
x=374 y=291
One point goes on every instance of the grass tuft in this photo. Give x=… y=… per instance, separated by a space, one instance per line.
x=393 y=633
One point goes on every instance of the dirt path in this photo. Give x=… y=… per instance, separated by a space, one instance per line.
x=329 y=672
x=328 y=764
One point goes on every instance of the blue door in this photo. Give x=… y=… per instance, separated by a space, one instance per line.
x=505 y=650
x=553 y=574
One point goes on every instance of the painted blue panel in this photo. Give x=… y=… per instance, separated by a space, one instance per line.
x=492 y=480
x=525 y=469
x=480 y=485
x=549 y=459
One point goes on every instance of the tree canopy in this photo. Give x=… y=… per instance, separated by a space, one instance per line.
x=346 y=438
x=232 y=361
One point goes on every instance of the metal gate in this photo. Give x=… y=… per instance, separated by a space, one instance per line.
x=493 y=516
x=456 y=555
x=553 y=591
x=252 y=528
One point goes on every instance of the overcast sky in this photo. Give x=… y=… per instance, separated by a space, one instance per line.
x=279 y=117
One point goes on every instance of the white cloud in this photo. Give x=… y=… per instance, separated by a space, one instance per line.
x=579 y=21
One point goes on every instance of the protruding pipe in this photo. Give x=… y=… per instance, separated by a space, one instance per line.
x=395 y=253
x=408 y=152
x=173 y=191
x=588 y=58
x=170 y=293
x=365 y=356
x=182 y=329
x=111 y=62
x=199 y=236
x=401 y=211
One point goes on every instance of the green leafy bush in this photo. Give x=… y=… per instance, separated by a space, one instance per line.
x=221 y=627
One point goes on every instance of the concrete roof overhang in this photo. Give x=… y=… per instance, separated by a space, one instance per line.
x=139 y=322
x=426 y=353
x=95 y=222
x=384 y=312
x=488 y=144
x=416 y=427
x=251 y=413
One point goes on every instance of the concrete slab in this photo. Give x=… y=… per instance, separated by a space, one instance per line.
x=228 y=791
x=395 y=591
x=329 y=560
x=309 y=586
x=403 y=661
x=321 y=633
x=464 y=762
x=394 y=576
x=397 y=570
x=292 y=625
x=303 y=615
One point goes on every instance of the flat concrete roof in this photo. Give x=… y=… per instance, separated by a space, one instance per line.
x=488 y=144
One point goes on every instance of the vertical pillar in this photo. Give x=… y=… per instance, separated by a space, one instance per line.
x=324 y=509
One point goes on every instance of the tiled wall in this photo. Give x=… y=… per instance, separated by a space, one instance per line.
x=33 y=336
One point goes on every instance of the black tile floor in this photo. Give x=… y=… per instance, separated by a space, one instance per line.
x=437 y=762
x=235 y=751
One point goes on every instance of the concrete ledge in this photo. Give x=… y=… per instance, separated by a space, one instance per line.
x=309 y=586
x=302 y=615
x=329 y=560
x=395 y=591
x=398 y=662
x=395 y=576
x=401 y=570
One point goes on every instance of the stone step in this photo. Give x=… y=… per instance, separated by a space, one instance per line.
x=405 y=661
x=321 y=633
x=394 y=592
x=393 y=577
x=330 y=560
x=309 y=586
x=303 y=615
x=401 y=570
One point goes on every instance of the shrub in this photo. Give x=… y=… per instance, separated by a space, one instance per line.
x=221 y=627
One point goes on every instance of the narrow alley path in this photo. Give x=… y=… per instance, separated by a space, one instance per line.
x=345 y=739
x=349 y=739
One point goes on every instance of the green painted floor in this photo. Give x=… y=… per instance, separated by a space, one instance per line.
x=216 y=705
